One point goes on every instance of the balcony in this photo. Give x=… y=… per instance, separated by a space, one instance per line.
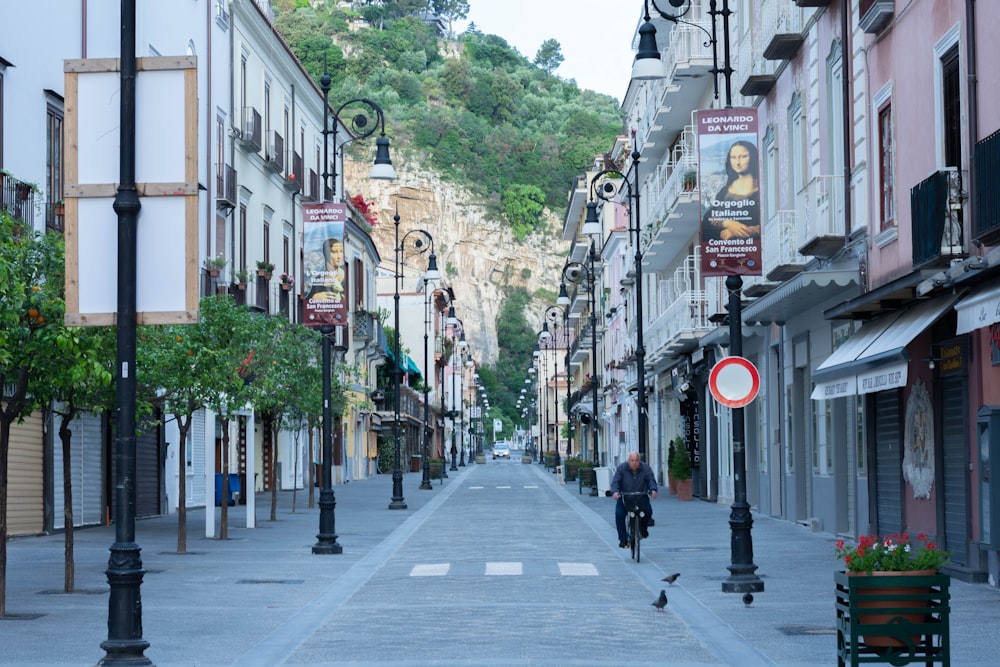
x=986 y=226
x=295 y=177
x=687 y=62
x=781 y=26
x=936 y=211
x=875 y=14
x=17 y=198
x=824 y=221
x=274 y=156
x=684 y=314
x=813 y=3
x=780 y=254
x=674 y=216
x=225 y=187
x=250 y=130
x=759 y=71
x=312 y=191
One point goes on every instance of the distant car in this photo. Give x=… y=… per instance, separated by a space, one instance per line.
x=501 y=450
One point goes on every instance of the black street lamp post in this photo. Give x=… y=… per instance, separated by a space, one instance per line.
x=125 y=645
x=422 y=242
x=425 y=482
x=743 y=577
x=553 y=314
x=590 y=273
x=326 y=540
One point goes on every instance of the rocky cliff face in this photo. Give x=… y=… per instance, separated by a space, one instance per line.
x=477 y=254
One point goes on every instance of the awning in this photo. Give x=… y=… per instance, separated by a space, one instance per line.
x=979 y=309
x=407 y=365
x=799 y=294
x=875 y=358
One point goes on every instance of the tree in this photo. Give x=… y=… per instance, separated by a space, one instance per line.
x=30 y=300
x=523 y=206
x=452 y=10
x=549 y=56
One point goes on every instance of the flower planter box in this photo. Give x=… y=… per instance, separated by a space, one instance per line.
x=893 y=617
x=526 y=459
x=685 y=489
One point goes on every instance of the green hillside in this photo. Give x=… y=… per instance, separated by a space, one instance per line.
x=483 y=116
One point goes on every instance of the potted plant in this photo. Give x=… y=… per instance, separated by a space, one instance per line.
x=571 y=465
x=264 y=269
x=287 y=281
x=586 y=473
x=215 y=264
x=885 y=577
x=681 y=471
x=242 y=277
x=689 y=180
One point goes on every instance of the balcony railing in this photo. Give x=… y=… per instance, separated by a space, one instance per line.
x=821 y=229
x=251 y=129
x=986 y=225
x=936 y=212
x=781 y=29
x=274 y=156
x=780 y=252
x=17 y=198
x=296 y=177
x=225 y=186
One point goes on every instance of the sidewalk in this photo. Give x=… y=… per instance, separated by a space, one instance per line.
x=223 y=598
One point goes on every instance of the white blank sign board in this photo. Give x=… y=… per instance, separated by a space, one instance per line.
x=166 y=174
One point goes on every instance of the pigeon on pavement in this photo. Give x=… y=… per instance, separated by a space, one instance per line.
x=672 y=578
x=661 y=601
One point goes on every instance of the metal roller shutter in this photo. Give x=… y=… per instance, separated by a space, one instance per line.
x=888 y=462
x=25 y=511
x=955 y=448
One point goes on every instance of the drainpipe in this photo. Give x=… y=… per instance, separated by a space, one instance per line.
x=845 y=83
x=209 y=127
x=970 y=40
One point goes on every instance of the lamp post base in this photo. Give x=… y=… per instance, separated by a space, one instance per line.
x=326 y=539
x=398 y=502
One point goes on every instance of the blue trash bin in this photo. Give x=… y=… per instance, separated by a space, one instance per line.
x=234 y=487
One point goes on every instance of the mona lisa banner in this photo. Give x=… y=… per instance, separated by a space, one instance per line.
x=323 y=263
x=730 y=188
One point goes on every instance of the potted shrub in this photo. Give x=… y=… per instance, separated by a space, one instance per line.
x=671 y=455
x=586 y=473
x=264 y=269
x=681 y=471
x=214 y=265
x=570 y=467
x=242 y=277
x=287 y=281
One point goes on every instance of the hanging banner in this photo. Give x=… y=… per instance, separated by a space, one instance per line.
x=323 y=265
x=730 y=189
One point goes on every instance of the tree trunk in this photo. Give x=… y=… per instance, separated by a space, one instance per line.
x=183 y=424
x=66 y=438
x=295 y=469
x=4 y=449
x=275 y=425
x=224 y=503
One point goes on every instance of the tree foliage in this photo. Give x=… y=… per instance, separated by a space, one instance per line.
x=549 y=56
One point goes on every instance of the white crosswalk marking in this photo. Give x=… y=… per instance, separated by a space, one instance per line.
x=475 y=487
x=430 y=569
x=577 y=569
x=503 y=487
x=530 y=486
x=503 y=568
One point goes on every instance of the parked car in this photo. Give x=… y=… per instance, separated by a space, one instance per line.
x=501 y=450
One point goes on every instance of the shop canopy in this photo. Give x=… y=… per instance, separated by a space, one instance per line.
x=875 y=357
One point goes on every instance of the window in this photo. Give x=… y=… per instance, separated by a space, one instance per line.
x=267 y=108
x=886 y=150
x=266 y=238
x=53 y=162
x=951 y=112
x=243 y=237
x=243 y=80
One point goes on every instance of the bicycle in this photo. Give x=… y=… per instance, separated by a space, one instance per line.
x=633 y=520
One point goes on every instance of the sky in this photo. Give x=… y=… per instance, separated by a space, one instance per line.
x=595 y=35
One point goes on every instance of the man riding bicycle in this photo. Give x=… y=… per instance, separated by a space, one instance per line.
x=633 y=476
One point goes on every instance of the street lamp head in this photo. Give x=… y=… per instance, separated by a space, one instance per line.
x=647 y=65
x=452 y=318
x=463 y=345
x=432 y=275
x=544 y=334
x=563 y=299
x=382 y=169
x=591 y=224
x=535 y=353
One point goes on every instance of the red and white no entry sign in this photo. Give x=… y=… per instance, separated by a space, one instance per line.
x=734 y=382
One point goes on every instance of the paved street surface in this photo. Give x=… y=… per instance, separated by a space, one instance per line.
x=499 y=565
